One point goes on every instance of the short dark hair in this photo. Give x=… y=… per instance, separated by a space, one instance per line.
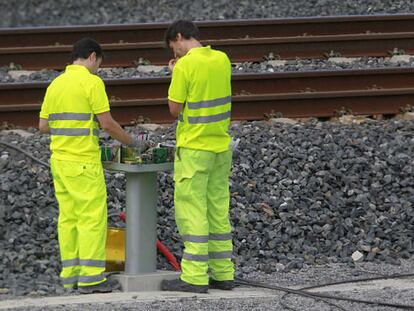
x=186 y=28
x=85 y=47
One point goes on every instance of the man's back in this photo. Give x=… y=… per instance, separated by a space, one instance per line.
x=202 y=81
x=209 y=74
x=72 y=100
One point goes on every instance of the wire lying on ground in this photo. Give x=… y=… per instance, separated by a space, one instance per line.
x=284 y=303
x=304 y=291
x=25 y=153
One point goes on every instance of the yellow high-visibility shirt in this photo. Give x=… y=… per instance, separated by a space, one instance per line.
x=201 y=81
x=71 y=102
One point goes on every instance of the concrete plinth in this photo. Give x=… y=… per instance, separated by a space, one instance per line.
x=145 y=281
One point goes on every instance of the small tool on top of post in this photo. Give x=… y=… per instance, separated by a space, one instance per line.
x=152 y=153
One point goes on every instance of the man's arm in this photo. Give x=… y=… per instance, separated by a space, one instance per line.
x=177 y=92
x=175 y=108
x=44 y=126
x=112 y=127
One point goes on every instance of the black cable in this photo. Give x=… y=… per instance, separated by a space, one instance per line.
x=286 y=306
x=289 y=291
x=303 y=292
x=392 y=276
x=25 y=153
x=358 y=267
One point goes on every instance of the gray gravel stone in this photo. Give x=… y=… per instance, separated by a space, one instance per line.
x=321 y=64
x=32 y=13
x=301 y=195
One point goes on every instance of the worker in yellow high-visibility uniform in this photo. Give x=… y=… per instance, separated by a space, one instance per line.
x=74 y=105
x=200 y=96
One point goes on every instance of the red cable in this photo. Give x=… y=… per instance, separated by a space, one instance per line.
x=170 y=257
x=122 y=215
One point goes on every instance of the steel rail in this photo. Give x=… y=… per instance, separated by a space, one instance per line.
x=239 y=50
x=293 y=94
x=248 y=107
x=211 y=30
x=242 y=84
x=248 y=40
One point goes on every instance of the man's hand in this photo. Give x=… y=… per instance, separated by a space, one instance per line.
x=171 y=64
x=140 y=144
x=136 y=142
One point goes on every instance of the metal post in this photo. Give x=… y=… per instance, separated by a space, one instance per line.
x=141 y=222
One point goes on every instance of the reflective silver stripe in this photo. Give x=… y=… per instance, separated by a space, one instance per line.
x=195 y=238
x=83 y=262
x=70 y=116
x=209 y=103
x=180 y=117
x=219 y=255
x=69 y=132
x=71 y=280
x=96 y=132
x=210 y=119
x=194 y=257
x=91 y=278
x=70 y=262
x=92 y=263
x=220 y=236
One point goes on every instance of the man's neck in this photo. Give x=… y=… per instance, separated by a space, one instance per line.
x=81 y=62
x=191 y=44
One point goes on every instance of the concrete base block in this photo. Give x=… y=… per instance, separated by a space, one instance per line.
x=144 y=282
x=277 y=63
x=401 y=58
x=408 y=116
x=342 y=60
x=282 y=120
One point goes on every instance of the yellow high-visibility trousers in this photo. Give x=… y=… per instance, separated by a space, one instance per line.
x=201 y=199
x=82 y=225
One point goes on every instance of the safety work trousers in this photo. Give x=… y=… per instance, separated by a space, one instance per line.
x=82 y=225
x=201 y=200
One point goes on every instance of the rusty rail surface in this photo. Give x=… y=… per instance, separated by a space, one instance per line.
x=298 y=94
x=243 y=40
x=211 y=30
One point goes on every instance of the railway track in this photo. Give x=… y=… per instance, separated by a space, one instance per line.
x=299 y=94
x=243 y=40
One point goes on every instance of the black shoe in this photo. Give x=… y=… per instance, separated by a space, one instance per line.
x=104 y=287
x=224 y=285
x=179 y=285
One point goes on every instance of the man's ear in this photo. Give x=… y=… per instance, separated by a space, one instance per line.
x=179 y=37
x=92 y=57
